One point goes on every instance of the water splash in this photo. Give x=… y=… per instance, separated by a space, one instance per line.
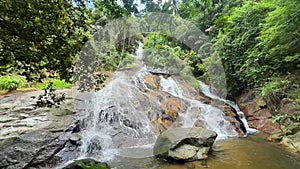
x=206 y=90
x=170 y=86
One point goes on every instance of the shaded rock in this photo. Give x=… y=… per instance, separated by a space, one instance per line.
x=292 y=141
x=31 y=136
x=29 y=149
x=184 y=144
x=287 y=106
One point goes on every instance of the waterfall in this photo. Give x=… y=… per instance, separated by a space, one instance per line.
x=170 y=86
x=213 y=117
x=206 y=90
x=120 y=119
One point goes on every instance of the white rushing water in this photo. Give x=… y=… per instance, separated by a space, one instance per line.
x=206 y=89
x=213 y=117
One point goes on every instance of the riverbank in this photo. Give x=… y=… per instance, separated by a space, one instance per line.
x=260 y=115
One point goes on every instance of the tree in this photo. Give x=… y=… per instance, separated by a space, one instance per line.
x=42 y=35
x=204 y=13
x=151 y=6
x=279 y=40
x=130 y=6
x=236 y=38
x=104 y=11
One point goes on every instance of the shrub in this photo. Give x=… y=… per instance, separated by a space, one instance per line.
x=57 y=84
x=11 y=82
x=294 y=117
x=296 y=96
x=275 y=85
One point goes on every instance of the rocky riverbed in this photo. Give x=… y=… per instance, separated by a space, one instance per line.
x=42 y=137
x=259 y=114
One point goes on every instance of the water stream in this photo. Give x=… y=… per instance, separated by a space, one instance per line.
x=213 y=117
x=118 y=122
x=206 y=89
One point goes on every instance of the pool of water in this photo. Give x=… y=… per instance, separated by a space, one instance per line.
x=253 y=152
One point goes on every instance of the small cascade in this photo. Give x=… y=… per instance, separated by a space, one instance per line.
x=206 y=90
x=118 y=120
x=212 y=117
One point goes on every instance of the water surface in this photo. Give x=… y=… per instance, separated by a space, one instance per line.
x=253 y=152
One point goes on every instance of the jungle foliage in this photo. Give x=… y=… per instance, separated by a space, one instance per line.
x=258 y=42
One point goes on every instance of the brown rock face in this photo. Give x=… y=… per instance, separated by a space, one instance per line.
x=151 y=81
x=171 y=107
x=288 y=135
x=167 y=116
x=256 y=112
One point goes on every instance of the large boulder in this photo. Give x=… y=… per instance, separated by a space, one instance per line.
x=184 y=144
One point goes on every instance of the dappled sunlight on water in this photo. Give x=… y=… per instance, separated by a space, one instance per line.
x=253 y=152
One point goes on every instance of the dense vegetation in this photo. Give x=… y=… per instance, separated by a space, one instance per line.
x=257 y=41
x=41 y=36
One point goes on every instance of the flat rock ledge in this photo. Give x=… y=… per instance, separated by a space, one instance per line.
x=31 y=136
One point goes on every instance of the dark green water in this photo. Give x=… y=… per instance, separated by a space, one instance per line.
x=253 y=152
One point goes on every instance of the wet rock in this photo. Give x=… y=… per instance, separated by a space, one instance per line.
x=171 y=107
x=184 y=144
x=74 y=127
x=75 y=139
x=165 y=115
x=200 y=123
x=152 y=82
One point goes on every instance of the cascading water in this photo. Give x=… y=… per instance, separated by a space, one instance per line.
x=117 y=120
x=120 y=117
x=213 y=117
x=206 y=89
